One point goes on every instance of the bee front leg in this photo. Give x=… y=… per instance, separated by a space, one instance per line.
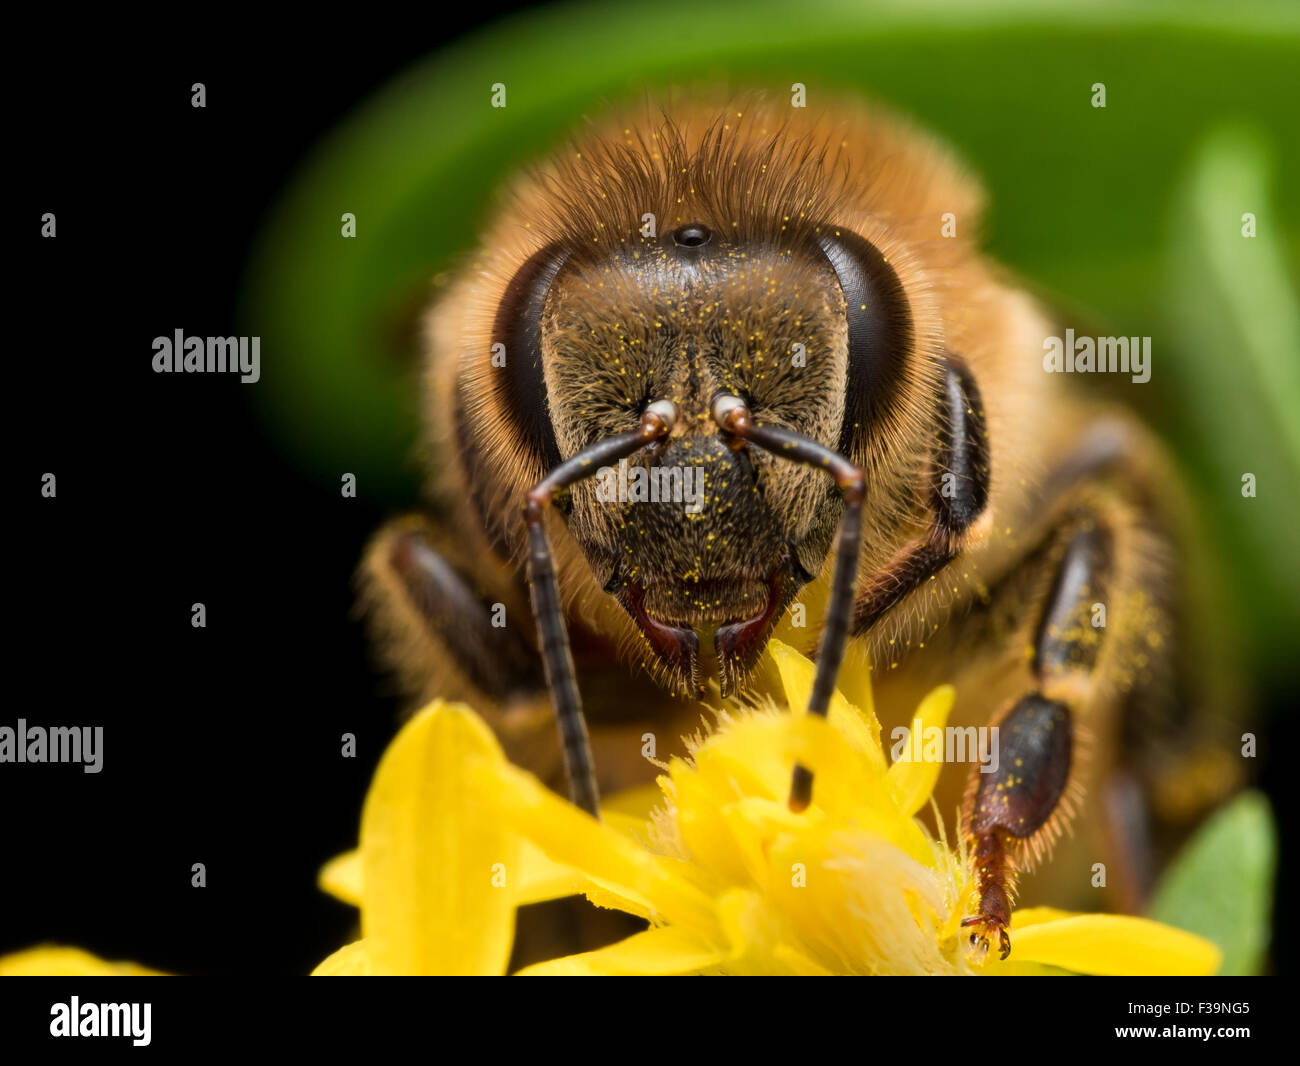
x=1013 y=813
x=440 y=629
x=957 y=496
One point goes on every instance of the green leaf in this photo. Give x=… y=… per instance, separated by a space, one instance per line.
x=1233 y=321
x=1221 y=885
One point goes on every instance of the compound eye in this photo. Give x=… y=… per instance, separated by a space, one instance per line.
x=880 y=333
x=521 y=386
x=694 y=235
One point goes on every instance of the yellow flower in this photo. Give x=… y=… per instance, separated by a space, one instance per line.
x=54 y=960
x=454 y=839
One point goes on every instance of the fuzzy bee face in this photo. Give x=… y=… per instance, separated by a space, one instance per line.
x=695 y=538
x=676 y=261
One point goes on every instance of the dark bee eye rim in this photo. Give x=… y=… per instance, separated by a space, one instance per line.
x=880 y=331
x=518 y=325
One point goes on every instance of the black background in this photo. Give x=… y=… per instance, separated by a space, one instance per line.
x=222 y=745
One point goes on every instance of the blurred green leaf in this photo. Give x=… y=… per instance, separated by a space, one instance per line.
x=1234 y=321
x=1221 y=885
x=1079 y=194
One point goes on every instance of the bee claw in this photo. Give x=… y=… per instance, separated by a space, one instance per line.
x=984 y=928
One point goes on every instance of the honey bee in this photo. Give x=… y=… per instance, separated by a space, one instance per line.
x=790 y=309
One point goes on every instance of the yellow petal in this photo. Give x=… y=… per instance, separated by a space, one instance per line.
x=1114 y=944
x=754 y=939
x=701 y=826
x=753 y=756
x=1012 y=967
x=655 y=952
x=859 y=727
x=630 y=809
x=573 y=838
x=855 y=680
x=437 y=860
x=910 y=780
x=800 y=965
x=844 y=790
x=52 y=960
x=614 y=897
x=1027 y=916
x=341 y=877
x=812 y=597
x=743 y=919
x=351 y=960
x=541 y=879
x=743 y=760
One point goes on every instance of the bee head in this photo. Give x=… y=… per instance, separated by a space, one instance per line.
x=705 y=263
x=703 y=541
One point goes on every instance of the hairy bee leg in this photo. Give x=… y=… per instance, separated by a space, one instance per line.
x=732 y=415
x=1005 y=808
x=412 y=592
x=958 y=495
x=1019 y=808
x=548 y=611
